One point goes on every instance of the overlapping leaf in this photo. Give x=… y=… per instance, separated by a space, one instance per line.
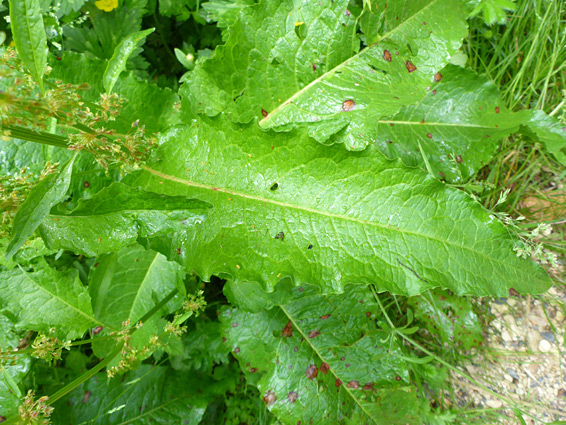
x=124 y=286
x=288 y=64
x=118 y=216
x=149 y=395
x=288 y=206
x=449 y=318
x=321 y=358
x=47 y=298
x=455 y=128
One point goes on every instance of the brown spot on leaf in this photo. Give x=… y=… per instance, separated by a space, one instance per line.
x=348 y=105
x=387 y=55
x=264 y=112
x=87 y=396
x=459 y=159
x=253 y=370
x=368 y=386
x=236 y=350
x=338 y=382
x=324 y=368
x=269 y=398
x=368 y=314
x=292 y=396
x=312 y=371
x=288 y=330
x=397 y=378
x=497 y=109
x=410 y=66
x=314 y=334
x=513 y=292
x=433 y=92
x=313 y=67
x=429 y=135
x=437 y=77
x=97 y=330
x=353 y=384
x=86 y=184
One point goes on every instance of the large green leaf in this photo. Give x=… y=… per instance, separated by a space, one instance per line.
x=29 y=36
x=285 y=205
x=288 y=64
x=125 y=285
x=48 y=192
x=322 y=358
x=118 y=216
x=456 y=127
x=150 y=395
x=47 y=298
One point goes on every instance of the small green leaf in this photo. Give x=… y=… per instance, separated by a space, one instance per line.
x=47 y=193
x=118 y=216
x=323 y=357
x=47 y=298
x=117 y=62
x=29 y=36
x=548 y=130
x=126 y=285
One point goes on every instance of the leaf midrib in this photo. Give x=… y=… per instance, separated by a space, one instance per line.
x=337 y=67
x=489 y=259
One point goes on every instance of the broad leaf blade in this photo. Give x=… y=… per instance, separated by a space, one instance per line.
x=287 y=206
x=35 y=208
x=323 y=357
x=47 y=298
x=125 y=285
x=123 y=51
x=29 y=36
x=458 y=125
x=322 y=80
x=149 y=395
x=118 y=216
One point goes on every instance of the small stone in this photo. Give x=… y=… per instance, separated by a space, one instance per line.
x=513 y=373
x=494 y=404
x=549 y=336
x=533 y=339
x=511 y=302
x=508 y=377
x=506 y=336
x=544 y=346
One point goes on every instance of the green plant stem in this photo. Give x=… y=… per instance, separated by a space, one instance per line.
x=445 y=363
x=37 y=136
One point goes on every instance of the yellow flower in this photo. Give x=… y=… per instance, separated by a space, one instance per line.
x=106 y=5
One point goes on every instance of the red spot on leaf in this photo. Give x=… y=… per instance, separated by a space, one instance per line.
x=338 y=382
x=513 y=292
x=326 y=316
x=313 y=67
x=288 y=330
x=269 y=398
x=429 y=135
x=312 y=371
x=324 y=368
x=497 y=109
x=348 y=105
x=410 y=66
x=264 y=112
x=314 y=334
